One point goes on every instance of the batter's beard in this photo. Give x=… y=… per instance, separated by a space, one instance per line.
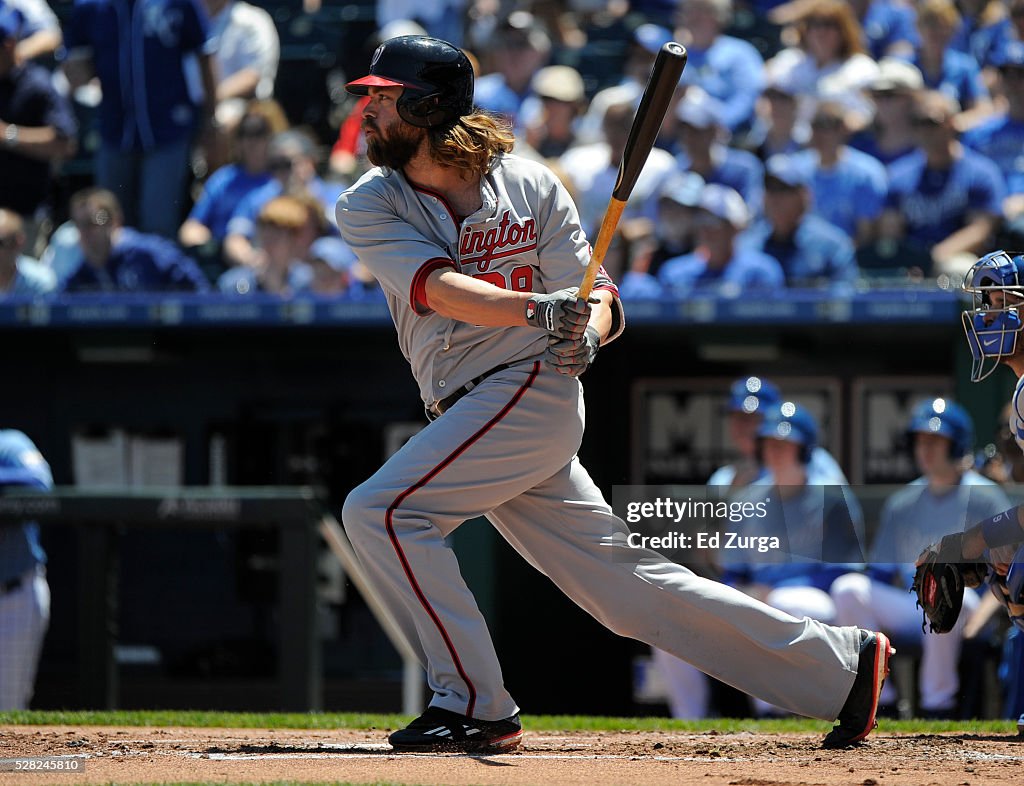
x=393 y=147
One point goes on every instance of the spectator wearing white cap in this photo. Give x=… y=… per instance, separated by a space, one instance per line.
x=559 y=93
x=727 y=68
x=593 y=169
x=848 y=187
x=893 y=92
x=777 y=126
x=718 y=265
x=703 y=150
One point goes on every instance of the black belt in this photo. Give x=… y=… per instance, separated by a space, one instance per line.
x=442 y=406
x=9 y=586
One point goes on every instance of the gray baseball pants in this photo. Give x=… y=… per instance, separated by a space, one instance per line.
x=507 y=451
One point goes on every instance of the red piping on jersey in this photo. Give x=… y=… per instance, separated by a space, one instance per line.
x=389 y=524
x=418 y=287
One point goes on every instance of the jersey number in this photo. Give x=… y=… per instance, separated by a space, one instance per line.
x=520 y=279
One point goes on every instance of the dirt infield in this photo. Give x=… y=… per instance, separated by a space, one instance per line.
x=131 y=755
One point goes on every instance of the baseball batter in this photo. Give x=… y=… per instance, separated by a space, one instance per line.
x=478 y=252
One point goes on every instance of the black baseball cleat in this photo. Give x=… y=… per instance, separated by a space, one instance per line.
x=441 y=730
x=857 y=718
x=1020 y=726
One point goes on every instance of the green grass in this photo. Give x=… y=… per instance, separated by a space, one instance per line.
x=240 y=720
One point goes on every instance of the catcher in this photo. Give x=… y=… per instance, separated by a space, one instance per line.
x=992 y=551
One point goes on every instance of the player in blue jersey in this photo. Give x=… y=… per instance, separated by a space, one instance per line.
x=24 y=593
x=948 y=491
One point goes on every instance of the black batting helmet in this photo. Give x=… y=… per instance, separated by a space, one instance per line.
x=437 y=77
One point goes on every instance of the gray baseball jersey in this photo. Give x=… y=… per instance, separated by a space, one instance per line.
x=507 y=450
x=526 y=237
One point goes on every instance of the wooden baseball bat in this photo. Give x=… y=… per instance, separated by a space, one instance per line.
x=668 y=67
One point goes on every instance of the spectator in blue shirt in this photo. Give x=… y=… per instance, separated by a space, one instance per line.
x=718 y=266
x=37 y=127
x=117 y=258
x=20 y=276
x=943 y=198
x=980 y=28
x=888 y=26
x=24 y=593
x=810 y=250
x=848 y=187
x=1002 y=139
x=292 y=161
x=728 y=69
x=225 y=188
x=519 y=48
x=286 y=229
x=954 y=73
x=148 y=118
x=777 y=128
x=893 y=93
x=700 y=134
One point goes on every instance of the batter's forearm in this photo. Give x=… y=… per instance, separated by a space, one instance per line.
x=477 y=302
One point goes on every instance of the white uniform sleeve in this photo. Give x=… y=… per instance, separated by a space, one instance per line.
x=393 y=250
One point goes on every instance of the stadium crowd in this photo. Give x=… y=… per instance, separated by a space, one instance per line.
x=810 y=143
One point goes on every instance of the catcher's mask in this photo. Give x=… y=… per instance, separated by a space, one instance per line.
x=992 y=324
x=437 y=78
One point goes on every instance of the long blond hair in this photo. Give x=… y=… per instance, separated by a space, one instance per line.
x=472 y=144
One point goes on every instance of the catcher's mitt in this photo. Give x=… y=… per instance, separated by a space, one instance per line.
x=940 y=580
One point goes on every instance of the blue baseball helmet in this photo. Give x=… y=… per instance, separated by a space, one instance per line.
x=992 y=324
x=947 y=419
x=792 y=423
x=752 y=395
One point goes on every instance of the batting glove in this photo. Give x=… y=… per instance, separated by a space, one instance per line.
x=573 y=356
x=562 y=314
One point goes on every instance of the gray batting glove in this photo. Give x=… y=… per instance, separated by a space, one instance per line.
x=571 y=356
x=562 y=313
